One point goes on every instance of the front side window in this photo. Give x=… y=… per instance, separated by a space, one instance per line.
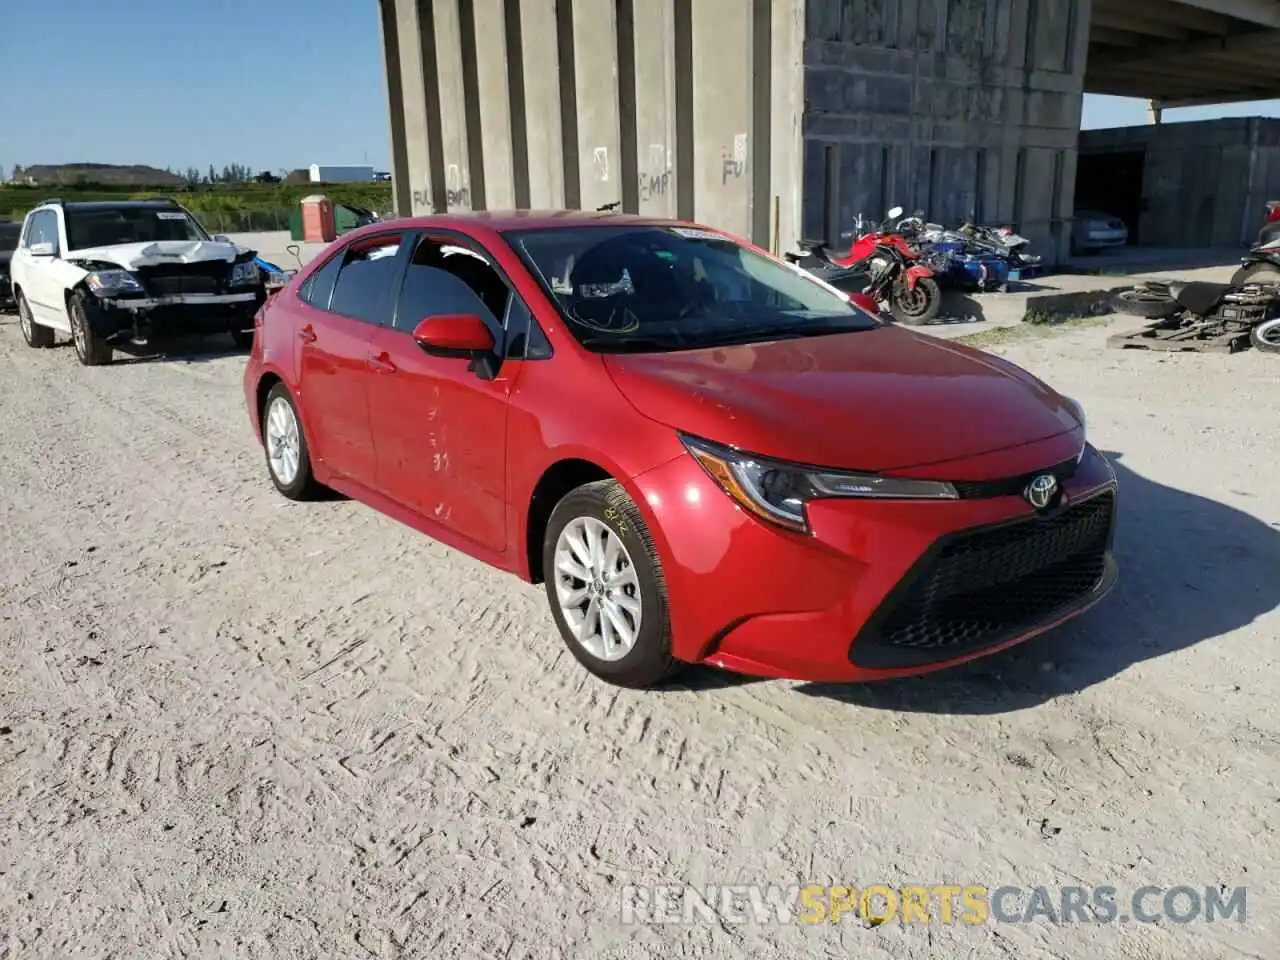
x=445 y=278
x=366 y=275
x=107 y=226
x=43 y=228
x=660 y=288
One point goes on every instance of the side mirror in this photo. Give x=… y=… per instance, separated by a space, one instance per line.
x=454 y=335
x=866 y=302
x=895 y=213
x=221 y=238
x=43 y=249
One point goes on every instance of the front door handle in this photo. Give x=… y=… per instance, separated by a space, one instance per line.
x=382 y=363
x=307 y=334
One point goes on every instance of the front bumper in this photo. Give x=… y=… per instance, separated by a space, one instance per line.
x=178 y=315
x=877 y=590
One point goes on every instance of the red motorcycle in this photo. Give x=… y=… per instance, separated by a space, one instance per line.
x=887 y=268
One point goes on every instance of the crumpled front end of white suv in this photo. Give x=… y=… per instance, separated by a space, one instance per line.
x=171 y=288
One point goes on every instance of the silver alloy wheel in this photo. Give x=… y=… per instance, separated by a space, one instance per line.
x=24 y=320
x=78 y=332
x=284 y=447
x=597 y=587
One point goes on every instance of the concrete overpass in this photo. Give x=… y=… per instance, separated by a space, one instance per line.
x=785 y=118
x=1179 y=53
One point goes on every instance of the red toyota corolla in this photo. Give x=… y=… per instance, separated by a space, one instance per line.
x=706 y=455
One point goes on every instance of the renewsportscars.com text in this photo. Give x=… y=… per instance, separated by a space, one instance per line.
x=970 y=904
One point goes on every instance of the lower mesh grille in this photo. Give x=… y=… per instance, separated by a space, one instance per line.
x=978 y=588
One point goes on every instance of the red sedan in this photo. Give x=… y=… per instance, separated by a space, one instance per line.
x=705 y=454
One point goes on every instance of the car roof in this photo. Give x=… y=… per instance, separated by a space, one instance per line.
x=90 y=205
x=503 y=220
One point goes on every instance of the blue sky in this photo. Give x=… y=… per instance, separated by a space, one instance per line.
x=268 y=83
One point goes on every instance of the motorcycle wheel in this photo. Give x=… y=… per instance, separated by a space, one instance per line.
x=1256 y=273
x=1144 y=303
x=1266 y=336
x=918 y=306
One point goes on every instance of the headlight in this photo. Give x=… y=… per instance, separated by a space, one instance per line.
x=108 y=282
x=777 y=492
x=244 y=273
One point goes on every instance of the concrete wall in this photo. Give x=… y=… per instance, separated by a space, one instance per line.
x=953 y=107
x=1204 y=183
x=776 y=119
x=683 y=108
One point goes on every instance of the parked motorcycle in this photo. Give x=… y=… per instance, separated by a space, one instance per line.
x=882 y=263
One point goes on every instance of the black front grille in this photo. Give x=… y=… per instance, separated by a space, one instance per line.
x=172 y=279
x=1012 y=486
x=978 y=588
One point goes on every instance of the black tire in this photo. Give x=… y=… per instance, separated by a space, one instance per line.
x=303 y=485
x=1256 y=273
x=242 y=339
x=91 y=349
x=649 y=661
x=916 y=307
x=37 y=335
x=1266 y=336
x=1141 y=303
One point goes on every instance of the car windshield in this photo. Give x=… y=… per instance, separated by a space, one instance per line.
x=668 y=287
x=105 y=226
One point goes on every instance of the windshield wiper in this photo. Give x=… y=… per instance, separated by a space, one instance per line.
x=788 y=331
x=633 y=342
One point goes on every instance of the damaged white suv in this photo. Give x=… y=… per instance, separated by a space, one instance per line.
x=129 y=272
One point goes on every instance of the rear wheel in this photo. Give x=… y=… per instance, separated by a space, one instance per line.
x=1266 y=336
x=288 y=456
x=91 y=349
x=1256 y=273
x=916 y=305
x=1144 y=303
x=605 y=586
x=37 y=335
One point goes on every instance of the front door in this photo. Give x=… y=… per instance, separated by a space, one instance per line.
x=439 y=425
x=333 y=357
x=39 y=274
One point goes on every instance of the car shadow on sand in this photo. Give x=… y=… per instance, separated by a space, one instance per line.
x=186 y=350
x=1191 y=569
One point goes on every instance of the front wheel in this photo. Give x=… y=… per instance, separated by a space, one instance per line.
x=91 y=349
x=918 y=305
x=605 y=586
x=1266 y=336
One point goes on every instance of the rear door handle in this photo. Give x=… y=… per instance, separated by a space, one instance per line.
x=307 y=334
x=382 y=363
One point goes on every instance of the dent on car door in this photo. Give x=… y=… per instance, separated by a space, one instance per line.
x=333 y=356
x=440 y=422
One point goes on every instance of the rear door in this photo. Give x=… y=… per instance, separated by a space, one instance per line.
x=342 y=306
x=440 y=423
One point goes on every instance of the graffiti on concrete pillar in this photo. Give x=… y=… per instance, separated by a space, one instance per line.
x=600 y=162
x=456 y=192
x=656 y=174
x=422 y=199
x=734 y=164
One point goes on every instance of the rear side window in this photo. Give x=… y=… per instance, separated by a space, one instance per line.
x=317 y=289
x=365 y=278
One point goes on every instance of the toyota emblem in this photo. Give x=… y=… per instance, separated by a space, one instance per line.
x=1040 y=490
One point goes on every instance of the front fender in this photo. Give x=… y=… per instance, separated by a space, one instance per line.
x=915 y=273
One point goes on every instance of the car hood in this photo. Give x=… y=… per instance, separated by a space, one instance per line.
x=130 y=256
x=881 y=400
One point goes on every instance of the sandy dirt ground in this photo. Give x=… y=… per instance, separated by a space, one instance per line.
x=233 y=726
